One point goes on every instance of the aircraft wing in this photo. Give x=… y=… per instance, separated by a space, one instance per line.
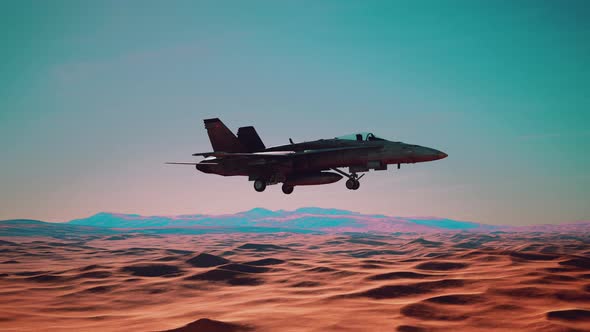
x=281 y=154
x=268 y=158
x=221 y=154
x=175 y=163
x=192 y=164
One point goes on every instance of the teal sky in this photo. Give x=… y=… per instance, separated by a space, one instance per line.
x=96 y=95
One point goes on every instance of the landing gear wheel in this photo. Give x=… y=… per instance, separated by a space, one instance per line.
x=287 y=189
x=351 y=183
x=259 y=185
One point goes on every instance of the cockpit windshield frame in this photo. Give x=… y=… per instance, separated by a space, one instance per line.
x=363 y=136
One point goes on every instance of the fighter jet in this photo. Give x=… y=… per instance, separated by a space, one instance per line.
x=303 y=164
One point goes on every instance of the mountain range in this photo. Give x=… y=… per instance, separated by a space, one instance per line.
x=259 y=220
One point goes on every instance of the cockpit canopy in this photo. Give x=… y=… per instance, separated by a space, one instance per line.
x=360 y=137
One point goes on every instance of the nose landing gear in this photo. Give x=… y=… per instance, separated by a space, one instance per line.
x=353 y=182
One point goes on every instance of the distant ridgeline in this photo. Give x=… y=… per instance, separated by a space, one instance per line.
x=258 y=220
x=309 y=219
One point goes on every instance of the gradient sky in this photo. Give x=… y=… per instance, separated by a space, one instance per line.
x=96 y=95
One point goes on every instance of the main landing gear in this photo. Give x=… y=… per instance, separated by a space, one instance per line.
x=287 y=188
x=259 y=185
x=353 y=182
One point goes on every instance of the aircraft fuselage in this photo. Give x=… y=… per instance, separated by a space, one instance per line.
x=384 y=153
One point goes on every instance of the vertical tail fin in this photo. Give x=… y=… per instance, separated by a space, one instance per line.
x=250 y=139
x=222 y=139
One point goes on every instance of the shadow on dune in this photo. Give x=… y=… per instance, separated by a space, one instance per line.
x=411 y=328
x=571 y=296
x=322 y=269
x=425 y=243
x=236 y=278
x=457 y=299
x=180 y=252
x=29 y=273
x=371 y=253
x=153 y=270
x=367 y=242
x=94 y=275
x=557 y=278
x=395 y=291
x=532 y=257
x=245 y=268
x=399 y=275
x=522 y=292
x=305 y=284
x=47 y=278
x=166 y=259
x=581 y=263
x=98 y=290
x=92 y=267
x=266 y=262
x=133 y=251
x=207 y=260
x=262 y=247
x=574 y=315
x=364 y=253
x=441 y=266
x=426 y=311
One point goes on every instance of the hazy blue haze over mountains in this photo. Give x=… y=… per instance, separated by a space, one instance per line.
x=308 y=217
x=258 y=220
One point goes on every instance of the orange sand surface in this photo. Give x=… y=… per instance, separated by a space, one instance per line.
x=297 y=282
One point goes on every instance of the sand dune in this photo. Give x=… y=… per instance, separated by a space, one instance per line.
x=207 y=260
x=297 y=282
x=209 y=325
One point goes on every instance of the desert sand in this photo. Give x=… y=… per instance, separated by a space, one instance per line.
x=297 y=282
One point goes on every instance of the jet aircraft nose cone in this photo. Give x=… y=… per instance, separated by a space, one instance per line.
x=436 y=154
